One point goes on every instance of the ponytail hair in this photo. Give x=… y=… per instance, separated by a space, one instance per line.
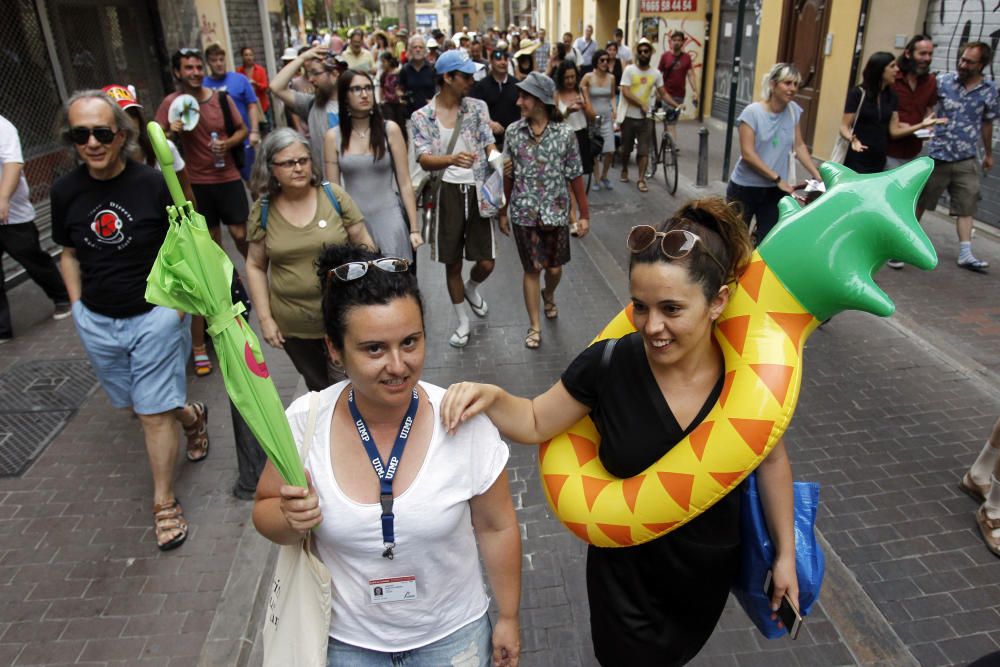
x=725 y=235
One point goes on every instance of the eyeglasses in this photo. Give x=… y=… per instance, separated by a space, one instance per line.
x=188 y=52
x=602 y=60
x=291 y=164
x=676 y=243
x=357 y=90
x=353 y=270
x=81 y=135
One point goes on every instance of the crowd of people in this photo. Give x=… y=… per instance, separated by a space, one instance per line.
x=485 y=132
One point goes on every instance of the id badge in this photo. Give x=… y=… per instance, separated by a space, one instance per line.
x=393 y=589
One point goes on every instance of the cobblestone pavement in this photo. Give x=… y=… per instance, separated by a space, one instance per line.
x=891 y=412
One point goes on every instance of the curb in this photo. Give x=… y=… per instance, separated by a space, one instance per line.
x=233 y=638
x=864 y=630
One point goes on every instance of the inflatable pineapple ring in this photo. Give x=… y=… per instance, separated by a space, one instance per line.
x=816 y=262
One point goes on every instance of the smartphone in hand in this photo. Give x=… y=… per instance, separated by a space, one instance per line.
x=788 y=614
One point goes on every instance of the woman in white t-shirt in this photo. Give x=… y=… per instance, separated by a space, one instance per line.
x=410 y=587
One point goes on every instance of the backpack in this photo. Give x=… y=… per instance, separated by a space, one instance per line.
x=238 y=152
x=265 y=204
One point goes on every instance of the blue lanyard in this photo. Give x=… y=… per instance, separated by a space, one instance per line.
x=386 y=472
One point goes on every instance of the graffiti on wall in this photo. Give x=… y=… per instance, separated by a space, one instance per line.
x=657 y=29
x=951 y=23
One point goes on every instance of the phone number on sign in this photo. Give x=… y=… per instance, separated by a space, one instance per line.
x=660 y=6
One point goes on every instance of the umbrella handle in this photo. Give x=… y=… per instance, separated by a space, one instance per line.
x=166 y=160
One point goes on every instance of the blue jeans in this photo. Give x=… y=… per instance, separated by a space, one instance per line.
x=469 y=646
x=139 y=360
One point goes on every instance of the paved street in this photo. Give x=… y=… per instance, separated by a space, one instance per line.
x=890 y=415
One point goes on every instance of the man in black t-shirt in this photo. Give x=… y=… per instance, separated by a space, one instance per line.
x=109 y=215
x=416 y=77
x=499 y=91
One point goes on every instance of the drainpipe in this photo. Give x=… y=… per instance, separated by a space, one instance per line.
x=704 y=67
x=733 y=89
x=859 y=39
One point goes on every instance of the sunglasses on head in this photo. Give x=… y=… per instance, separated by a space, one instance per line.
x=81 y=135
x=188 y=52
x=675 y=244
x=499 y=55
x=345 y=273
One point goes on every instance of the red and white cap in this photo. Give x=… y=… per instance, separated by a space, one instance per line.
x=123 y=95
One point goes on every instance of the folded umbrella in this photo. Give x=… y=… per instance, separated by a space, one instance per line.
x=192 y=273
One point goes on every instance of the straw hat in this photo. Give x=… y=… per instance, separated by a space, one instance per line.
x=528 y=47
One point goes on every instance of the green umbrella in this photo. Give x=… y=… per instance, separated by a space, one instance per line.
x=193 y=274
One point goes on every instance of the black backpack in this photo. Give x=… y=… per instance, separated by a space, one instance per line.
x=238 y=152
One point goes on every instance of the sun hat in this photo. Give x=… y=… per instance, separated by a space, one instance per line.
x=528 y=47
x=454 y=61
x=124 y=96
x=432 y=43
x=290 y=54
x=540 y=86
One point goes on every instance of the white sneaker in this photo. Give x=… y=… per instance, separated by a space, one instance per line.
x=894 y=264
x=62 y=311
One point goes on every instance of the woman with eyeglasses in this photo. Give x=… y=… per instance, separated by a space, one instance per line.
x=370 y=154
x=420 y=526
x=297 y=214
x=656 y=603
x=599 y=91
x=109 y=215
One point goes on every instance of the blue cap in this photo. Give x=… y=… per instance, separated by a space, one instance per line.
x=454 y=61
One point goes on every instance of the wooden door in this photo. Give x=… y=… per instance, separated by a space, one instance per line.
x=803 y=36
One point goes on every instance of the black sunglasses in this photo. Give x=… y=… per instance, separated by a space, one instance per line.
x=81 y=135
x=499 y=55
x=354 y=270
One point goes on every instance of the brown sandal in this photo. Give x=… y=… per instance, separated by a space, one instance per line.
x=197 y=434
x=551 y=309
x=975 y=490
x=168 y=518
x=987 y=527
x=533 y=340
x=642 y=186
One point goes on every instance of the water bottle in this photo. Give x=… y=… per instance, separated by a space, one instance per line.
x=220 y=159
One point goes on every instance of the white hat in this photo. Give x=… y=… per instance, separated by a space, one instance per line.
x=290 y=54
x=432 y=43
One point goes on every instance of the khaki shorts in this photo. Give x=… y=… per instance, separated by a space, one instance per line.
x=961 y=179
x=636 y=129
x=461 y=228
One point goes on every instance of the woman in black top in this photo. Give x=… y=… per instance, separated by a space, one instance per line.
x=877 y=119
x=657 y=603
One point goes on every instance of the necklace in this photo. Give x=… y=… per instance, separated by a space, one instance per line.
x=360 y=133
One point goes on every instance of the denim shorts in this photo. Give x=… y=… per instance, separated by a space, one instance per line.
x=469 y=646
x=141 y=360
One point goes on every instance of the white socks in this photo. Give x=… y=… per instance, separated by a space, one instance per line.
x=965 y=251
x=462 y=312
x=985 y=464
x=472 y=289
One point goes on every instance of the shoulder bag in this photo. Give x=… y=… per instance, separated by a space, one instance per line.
x=297 y=617
x=842 y=145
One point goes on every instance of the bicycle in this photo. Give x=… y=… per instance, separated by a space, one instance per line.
x=664 y=152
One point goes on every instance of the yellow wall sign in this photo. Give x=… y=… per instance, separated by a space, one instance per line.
x=662 y=6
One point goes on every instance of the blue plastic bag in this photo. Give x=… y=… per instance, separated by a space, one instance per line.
x=757 y=554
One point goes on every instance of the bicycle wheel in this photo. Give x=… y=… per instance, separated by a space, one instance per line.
x=669 y=162
x=653 y=158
